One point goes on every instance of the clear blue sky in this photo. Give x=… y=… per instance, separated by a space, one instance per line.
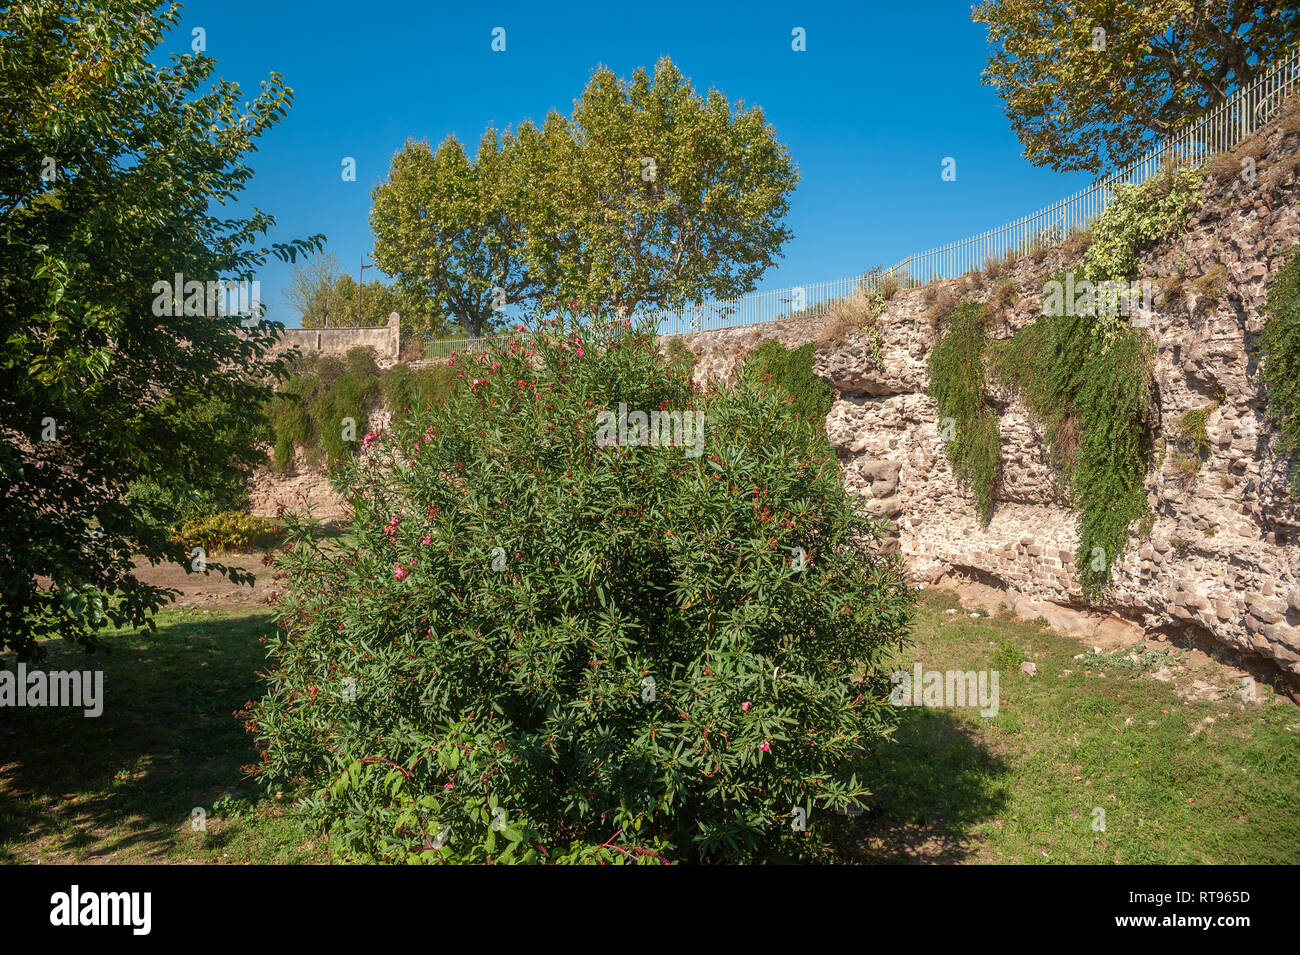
x=882 y=94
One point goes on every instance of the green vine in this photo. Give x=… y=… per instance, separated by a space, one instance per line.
x=1092 y=396
x=1279 y=348
x=967 y=425
x=792 y=371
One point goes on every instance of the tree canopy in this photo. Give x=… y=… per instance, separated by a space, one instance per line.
x=648 y=194
x=112 y=170
x=1093 y=83
x=444 y=229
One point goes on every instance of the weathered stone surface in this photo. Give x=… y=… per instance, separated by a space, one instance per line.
x=1223 y=554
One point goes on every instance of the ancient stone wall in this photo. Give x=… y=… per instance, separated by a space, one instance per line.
x=1223 y=556
x=384 y=339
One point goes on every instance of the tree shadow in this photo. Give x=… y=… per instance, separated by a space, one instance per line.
x=932 y=783
x=166 y=742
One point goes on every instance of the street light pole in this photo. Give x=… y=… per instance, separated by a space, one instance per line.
x=361 y=284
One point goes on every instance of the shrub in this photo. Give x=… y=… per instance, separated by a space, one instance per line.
x=406 y=389
x=1279 y=350
x=791 y=371
x=956 y=372
x=1192 y=428
x=681 y=357
x=1139 y=216
x=308 y=411
x=592 y=653
x=1212 y=284
x=229 y=531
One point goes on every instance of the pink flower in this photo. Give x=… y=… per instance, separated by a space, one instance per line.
x=426 y=541
x=399 y=572
x=522 y=383
x=496 y=365
x=766 y=746
x=579 y=352
x=448 y=785
x=745 y=706
x=369 y=439
x=519 y=328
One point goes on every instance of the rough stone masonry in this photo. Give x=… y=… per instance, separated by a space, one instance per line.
x=1223 y=556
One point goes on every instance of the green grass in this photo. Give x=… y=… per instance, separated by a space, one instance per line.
x=1021 y=787
x=121 y=787
x=951 y=786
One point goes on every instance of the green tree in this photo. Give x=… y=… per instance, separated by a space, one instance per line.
x=1082 y=99
x=444 y=229
x=650 y=194
x=309 y=290
x=327 y=297
x=111 y=168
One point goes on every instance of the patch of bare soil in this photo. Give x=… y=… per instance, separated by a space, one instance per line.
x=213 y=590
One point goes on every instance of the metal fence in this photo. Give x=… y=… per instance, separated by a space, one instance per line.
x=1221 y=129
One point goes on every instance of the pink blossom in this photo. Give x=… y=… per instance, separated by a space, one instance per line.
x=448 y=785
x=745 y=706
x=426 y=541
x=399 y=572
x=766 y=746
x=369 y=439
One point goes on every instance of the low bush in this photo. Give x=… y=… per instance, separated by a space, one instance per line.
x=230 y=531
x=544 y=646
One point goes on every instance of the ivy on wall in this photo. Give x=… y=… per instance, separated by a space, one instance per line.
x=967 y=425
x=1279 y=367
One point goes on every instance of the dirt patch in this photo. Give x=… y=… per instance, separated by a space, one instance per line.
x=213 y=590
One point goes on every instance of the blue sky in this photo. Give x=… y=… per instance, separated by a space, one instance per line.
x=882 y=94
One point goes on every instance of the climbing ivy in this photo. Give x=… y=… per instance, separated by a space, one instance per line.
x=1092 y=396
x=1279 y=348
x=1137 y=217
x=967 y=425
x=791 y=369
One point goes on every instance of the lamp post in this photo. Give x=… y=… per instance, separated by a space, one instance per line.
x=361 y=284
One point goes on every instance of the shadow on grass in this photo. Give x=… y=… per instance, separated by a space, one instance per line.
x=932 y=786
x=167 y=741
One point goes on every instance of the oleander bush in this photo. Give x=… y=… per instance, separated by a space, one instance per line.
x=548 y=642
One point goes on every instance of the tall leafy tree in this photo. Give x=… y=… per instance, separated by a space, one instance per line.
x=444 y=229
x=650 y=194
x=1093 y=83
x=112 y=170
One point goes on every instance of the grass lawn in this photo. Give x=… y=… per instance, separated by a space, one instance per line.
x=951 y=786
x=121 y=787
x=1180 y=782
